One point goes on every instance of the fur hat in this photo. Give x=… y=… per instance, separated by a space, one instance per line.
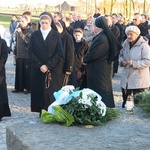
x=134 y=29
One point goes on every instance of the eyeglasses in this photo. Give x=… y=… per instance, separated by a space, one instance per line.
x=134 y=19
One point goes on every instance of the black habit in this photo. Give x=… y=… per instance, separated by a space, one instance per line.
x=4 y=107
x=47 y=52
x=99 y=69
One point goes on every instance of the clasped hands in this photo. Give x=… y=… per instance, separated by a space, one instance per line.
x=44 y=68
x=127 y=63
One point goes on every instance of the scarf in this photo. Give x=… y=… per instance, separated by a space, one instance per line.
x=45 y=32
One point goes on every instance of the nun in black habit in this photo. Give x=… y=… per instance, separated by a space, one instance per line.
x=102 y=52
x=4 y=107
x=46 y=54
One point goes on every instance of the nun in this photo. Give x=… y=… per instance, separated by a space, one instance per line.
x=46 y=54
x=103 y=50
x=4 y=106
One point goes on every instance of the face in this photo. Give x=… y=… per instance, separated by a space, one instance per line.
x=137 y=20
x=13 y=17
x=45 y=24
x=143 y=19
x=89 y=21
x=75 y=17
x=114 y=18
x=109 y=20
x=78 y=36
x=56 y=18
x=23 y=22
x=131 y=36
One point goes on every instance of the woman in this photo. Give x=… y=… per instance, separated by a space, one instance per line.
x=46 y=54
x=104 y=48
x=68 y=49
x=81 y=48
x=135 y=60
x=4 y=107
x=22 y=73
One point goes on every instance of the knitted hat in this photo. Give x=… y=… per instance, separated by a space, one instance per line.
x=134 y=29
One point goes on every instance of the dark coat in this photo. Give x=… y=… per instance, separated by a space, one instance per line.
x=75 y=77
x=68 y=49
x=22 y=42
x=47 y=52
x=4 y=107
x=99 y=70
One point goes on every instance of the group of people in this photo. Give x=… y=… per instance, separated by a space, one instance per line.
x=64 y=50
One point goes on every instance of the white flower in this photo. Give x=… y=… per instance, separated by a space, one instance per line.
x=68 y=88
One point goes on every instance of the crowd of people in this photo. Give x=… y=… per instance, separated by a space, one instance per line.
x=61 y=51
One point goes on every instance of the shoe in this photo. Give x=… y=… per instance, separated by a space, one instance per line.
x=15 y=91
x=26 y=92
x=0 y=119
x=123 y=105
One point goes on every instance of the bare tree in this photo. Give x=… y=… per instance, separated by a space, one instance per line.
x=112 y=5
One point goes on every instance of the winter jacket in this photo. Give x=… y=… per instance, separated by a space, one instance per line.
x=22 y=42
x=135 y=77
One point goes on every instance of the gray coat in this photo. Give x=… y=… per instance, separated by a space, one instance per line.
x=136 y=77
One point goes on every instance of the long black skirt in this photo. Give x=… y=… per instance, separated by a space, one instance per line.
x=22 y=78
x=4 y=110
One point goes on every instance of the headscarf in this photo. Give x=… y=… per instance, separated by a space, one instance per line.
x=114 y=45
x=62 y=24
x=52 y=23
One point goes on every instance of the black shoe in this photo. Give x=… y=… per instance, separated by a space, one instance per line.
x=15 y=91
x=123 y=105
x=0 y=119
x=26 y=92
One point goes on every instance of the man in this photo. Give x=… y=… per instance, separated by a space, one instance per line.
x=115 y=30
x=137 y=22
x=115 y=22
x=97 y=14
x=77 y=23
x=57 y=16
x=12 y=27
x=69 y=28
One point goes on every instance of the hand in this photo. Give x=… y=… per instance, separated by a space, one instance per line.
x=68 y=73
x=83 y=62
x=18 y=30
x=44 y=68
x=124 y=63
x=14 y=56
x=130 y=63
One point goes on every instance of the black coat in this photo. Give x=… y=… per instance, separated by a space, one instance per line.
x=47 y=52
x=68 y=50
x=4 y=108
x=99 y=70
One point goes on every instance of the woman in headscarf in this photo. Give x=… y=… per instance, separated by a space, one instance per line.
x=104 y=48
x=46 y=54
x=135 y=60
x=68 y=50
x=4 y=107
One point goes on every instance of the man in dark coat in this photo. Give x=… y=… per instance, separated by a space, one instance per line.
x=46 y=54
x=4 y=107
